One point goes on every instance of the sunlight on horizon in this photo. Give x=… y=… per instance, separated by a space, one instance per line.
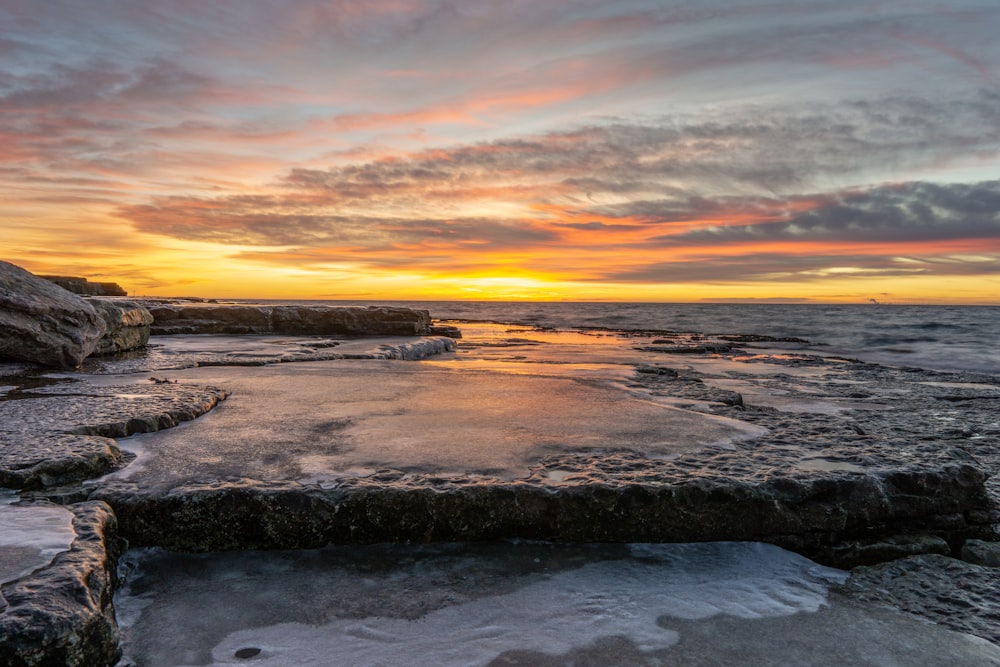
x=646 y=151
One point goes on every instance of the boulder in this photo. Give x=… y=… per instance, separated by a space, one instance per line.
x=828 y=518
x=64 y=433
x=43 y=323
x=127 y=325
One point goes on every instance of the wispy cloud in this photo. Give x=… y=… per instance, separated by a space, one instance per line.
x=574 y=140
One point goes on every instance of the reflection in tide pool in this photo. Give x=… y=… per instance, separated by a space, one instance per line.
x=502 y=604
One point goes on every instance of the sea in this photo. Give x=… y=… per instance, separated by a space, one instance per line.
x=948 y=338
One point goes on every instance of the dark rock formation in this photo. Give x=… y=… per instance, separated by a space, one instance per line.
x=85 y=287
x=128 y=325
x=288 y=320
x=980 y=552
x=63 y=433
x=816 y=515
x=445 y=330
x=62 y=614
x=42 y=323
x=958 y=595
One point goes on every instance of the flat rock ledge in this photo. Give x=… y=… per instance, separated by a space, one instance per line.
x=62 y=614
x=958 y=595
x=65 y=433
x=202 y=318
x=842 y=519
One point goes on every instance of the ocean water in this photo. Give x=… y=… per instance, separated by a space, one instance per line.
x=957 y=338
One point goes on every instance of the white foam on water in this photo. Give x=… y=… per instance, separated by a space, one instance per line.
x=568 y=610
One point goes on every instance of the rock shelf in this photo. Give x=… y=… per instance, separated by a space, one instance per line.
x=837 y=519
x=64 y=433
x=844 y=462
x=206 y=318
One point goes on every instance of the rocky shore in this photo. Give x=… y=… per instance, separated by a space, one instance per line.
x=889 y=471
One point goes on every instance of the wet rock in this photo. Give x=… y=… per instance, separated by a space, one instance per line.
x=85 y=287
x=62 y=614
x=63 y=433
x=43 y=323
x=128 y=325
x=186 y=318
x=655 y=370
x=979 y=552
x=694 y=348
x=958 y=595
x=33 y=462
x=813 y=515
x=445 y=330
x=409 y=351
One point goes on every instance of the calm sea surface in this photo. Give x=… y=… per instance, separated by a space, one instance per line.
x=940 y=337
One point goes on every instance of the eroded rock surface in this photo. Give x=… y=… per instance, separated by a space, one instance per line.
x=62 y=614
x=63 y=433
x=958 y=595
x=43 y=323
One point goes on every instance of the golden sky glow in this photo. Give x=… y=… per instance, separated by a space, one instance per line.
x=580 y=150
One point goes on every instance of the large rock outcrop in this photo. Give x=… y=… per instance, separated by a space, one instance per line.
x=288 y=320
x=43 y=323
x=127 y=322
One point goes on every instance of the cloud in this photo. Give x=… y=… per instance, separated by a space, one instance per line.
x=904 y=213
x=751 y=149
x=630 y=141
x=271 y=221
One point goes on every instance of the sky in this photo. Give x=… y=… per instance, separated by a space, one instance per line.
x=744 y=150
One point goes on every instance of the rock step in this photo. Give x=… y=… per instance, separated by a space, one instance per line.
x=828 y=520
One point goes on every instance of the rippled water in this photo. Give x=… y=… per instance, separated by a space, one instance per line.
x=942 y=337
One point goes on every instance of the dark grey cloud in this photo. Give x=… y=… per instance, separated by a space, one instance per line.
x=768 y=267
x=904 y=213
x=752 y=150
